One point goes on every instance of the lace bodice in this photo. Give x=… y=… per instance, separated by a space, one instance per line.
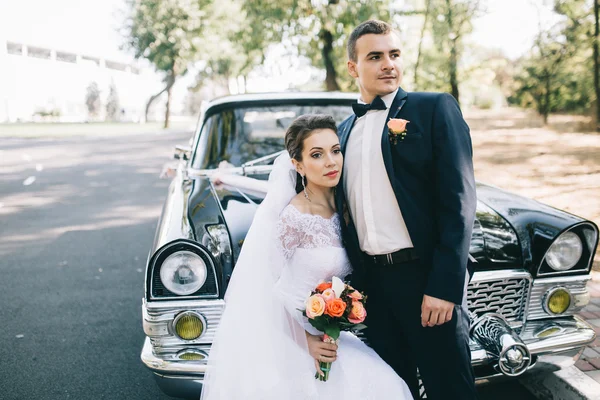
x=307 y=231
x=313 y=251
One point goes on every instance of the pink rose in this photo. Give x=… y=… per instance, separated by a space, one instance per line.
x=315 y=306
x=356 y=295
x=358 y=313
x=397 y=125
x=328 y=294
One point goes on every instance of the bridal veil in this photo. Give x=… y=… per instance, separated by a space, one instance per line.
x=260 y=350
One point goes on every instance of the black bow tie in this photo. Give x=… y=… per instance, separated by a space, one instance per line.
x=361 y=109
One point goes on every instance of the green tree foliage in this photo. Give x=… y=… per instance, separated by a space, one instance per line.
x=226 y=52
x=318 y=29
x=450 y=21
x=169 y=34
x=558 y=74
x=543 y=78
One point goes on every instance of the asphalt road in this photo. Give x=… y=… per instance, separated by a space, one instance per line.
x=77 y=217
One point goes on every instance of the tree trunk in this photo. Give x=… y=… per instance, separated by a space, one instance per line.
x=172 y=75
x=453 y=59
x=597 y=63
x=331 y=83
x=546 y=106
x=170 y=82
x=168 y=108
x=423 y=29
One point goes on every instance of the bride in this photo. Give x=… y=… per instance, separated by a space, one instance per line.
x=264 y=347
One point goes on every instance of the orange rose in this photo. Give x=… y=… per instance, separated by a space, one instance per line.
x=397 y=125
x=357 y=313
x=335 y=308
x=323 y=286
x=315 y=306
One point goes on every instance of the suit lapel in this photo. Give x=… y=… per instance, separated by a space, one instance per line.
x=386 y=148
x=345 y=134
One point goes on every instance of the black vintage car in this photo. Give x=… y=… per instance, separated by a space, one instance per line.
x=533 y=261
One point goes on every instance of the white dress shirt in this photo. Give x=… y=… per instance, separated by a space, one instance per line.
x=379 y=223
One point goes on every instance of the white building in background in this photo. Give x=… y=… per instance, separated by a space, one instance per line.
x=37 y=80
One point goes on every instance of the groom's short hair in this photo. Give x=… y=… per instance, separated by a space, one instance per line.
x=371 y=26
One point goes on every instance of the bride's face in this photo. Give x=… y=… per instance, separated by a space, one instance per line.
x=322 y=159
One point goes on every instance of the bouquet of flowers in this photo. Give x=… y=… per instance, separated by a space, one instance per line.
x=334 y=307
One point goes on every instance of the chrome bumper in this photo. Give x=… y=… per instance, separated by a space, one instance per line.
x=553 y=344
x=175 y=378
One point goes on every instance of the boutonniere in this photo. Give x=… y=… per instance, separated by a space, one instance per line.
x=397 y=129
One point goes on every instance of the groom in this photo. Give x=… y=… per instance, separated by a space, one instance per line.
x=409 y=203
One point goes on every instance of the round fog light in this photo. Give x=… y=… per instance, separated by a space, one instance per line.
x=189 y=325
x=557 y=301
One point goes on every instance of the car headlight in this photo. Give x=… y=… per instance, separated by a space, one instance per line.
x=565 y=252
x=183 y=273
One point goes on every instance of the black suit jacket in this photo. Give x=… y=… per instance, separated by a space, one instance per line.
x=431 y=172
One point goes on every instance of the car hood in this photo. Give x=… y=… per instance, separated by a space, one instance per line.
x=535 y=224
x=501 y=232
x=495 y=241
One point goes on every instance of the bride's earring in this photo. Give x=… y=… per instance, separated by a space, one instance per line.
x=304 y=185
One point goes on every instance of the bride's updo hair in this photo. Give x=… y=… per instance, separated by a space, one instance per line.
x=299 y=130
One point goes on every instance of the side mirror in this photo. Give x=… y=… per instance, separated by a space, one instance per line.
x=182 y=152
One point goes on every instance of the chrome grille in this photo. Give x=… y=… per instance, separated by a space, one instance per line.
x=503 y=292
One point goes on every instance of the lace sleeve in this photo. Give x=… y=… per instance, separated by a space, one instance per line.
x=289 y=233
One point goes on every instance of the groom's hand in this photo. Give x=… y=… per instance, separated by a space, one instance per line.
x=435 y=311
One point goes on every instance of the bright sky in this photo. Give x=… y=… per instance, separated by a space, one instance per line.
x=82 y=26
x=511 y=25
x=89 y=26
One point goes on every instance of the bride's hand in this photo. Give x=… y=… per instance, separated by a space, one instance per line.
x=321 y=351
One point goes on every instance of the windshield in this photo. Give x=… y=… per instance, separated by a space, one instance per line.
x=243 y=134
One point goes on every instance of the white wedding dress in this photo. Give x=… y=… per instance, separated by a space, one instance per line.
x=313 y=249
x=260 y=350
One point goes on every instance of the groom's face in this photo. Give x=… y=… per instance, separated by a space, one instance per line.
x=377 y=67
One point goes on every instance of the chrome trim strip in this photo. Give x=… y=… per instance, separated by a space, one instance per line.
x=485 y=276
x=158 y=318
x=576 y=285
